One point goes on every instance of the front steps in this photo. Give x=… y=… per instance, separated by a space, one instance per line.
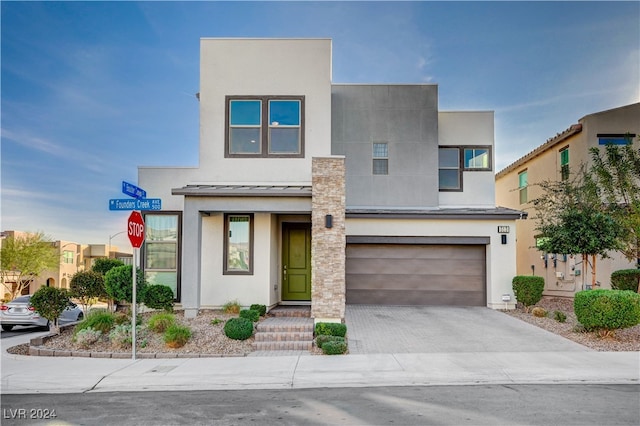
x=287 y=328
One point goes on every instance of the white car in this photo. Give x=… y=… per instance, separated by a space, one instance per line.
x=20 y=312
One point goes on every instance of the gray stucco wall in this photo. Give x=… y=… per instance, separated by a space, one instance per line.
x=405 y=117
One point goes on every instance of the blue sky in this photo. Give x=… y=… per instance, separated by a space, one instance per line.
x=91 y=90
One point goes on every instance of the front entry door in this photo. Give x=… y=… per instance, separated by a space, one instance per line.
x=296 y=261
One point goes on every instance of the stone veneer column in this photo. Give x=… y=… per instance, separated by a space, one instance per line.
x=328 y=245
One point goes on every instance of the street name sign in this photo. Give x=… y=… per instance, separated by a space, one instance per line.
x=133 y=191
x=137 y=204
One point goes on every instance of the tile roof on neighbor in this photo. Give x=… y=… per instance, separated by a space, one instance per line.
x=243 y=191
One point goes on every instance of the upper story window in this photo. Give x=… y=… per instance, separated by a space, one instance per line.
x=477 y=158
x=564 y=163
x=67 y=256
x=449 y=171
x=615 y=138
x=264 y=126
x=522 y=186
x=380 y=158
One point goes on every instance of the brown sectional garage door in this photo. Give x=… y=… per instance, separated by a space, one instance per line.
x=405 y=274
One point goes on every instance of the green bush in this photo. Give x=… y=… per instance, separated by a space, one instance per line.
x=334 y=348
x=158 y=296
x=160 y=322
x=98 y=320
x=177 y=336
x=262 y=309
x=625 y=279
x=607 y=309
x=331 y=329
x=238 y=328
x=118 y=283
x=323 y=338
x=102 y=265
x=50 y=302
x=250 y=314
x=559 y=316
x=86 y=286
x=528 y=289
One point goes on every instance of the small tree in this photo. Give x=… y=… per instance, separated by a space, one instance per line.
x=118 y=283
x=86 y=286
x=103 y=265
x=49 y=302
x=23 y=258
x=158 y=296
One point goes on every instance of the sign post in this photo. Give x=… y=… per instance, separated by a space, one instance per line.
x=135 y=232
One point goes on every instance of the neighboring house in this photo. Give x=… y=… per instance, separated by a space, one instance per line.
x=553 y=160
x=74 y=257
x=310 y=192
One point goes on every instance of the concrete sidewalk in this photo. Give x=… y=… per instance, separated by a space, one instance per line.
x=24 y=374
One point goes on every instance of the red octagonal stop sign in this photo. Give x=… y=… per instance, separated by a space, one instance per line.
x=135 y=229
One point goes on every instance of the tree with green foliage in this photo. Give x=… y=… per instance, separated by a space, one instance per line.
x=87 y=286
x=616 y=171
x=23 y=258
x=571 y=219
x=103 y=265
x=49 y=302
x=118 y=283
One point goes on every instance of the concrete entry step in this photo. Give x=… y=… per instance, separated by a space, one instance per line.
x=290 y=311
x=287 y=328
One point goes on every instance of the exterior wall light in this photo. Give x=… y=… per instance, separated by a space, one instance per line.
x=328 y=221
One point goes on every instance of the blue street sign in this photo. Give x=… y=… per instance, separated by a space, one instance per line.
x=129 y=204
x=133 y=191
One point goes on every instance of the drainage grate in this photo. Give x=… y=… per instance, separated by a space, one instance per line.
x=162 y=369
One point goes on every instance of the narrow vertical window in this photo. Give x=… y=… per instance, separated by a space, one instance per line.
x=161 y=253
x=522 y=186
x=380 y=158
x=564 y=163
x=449 y=171
x=238 y=253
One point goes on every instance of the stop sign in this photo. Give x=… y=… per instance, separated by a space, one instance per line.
x=135 y=229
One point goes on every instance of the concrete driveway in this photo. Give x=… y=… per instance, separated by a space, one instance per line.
x=445 y=329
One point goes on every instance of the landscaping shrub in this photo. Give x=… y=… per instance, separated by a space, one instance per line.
x=122 y=318
x=158 y=296
x=559 y=316
x=528 y=289
x=101 y=321
x=50 y=302
x=121 y=336
x=102 y=265
x=250 y=314
x=160 y=322
x=539 y=312
x=238 y=328
x=86 y=337
x=262 y=309
x=176 y=336
x=118 y=283
x=87 y=286
x=334 y=348
x=323 y=338
x=331 y=329
x=625 y=279
x=607 y=309
x=232 y=307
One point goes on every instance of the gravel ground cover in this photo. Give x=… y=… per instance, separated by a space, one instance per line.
x=210 y=339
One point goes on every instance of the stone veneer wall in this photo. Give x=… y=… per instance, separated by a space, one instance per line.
x=328 y=245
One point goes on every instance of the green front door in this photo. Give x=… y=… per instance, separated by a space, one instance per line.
x=296 y=261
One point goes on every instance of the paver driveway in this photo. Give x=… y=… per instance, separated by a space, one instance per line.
x=432 y=329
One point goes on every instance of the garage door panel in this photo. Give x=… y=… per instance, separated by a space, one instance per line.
x=395 y=274
x=414 y=282
x=409 y=297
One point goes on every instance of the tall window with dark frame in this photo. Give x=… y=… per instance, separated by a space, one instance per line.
x=161 y=250
x=449 y=172
x=238 y=244
x=264 y=126
x=380 y=158
x=564 y=164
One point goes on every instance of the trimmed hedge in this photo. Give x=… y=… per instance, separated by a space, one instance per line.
x=262 y=309
x=607 y=309
x=250 y=314
x=334 y=348
x=528 y=289
x=625 y=279
x=331 y=329
x=238 y=328
x=323 y=339
x=158 y=296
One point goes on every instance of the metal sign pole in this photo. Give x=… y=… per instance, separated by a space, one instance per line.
x=133 y=306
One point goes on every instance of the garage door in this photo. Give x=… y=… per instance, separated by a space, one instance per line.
x=402 y=274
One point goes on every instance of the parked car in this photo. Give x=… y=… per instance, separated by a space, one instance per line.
x=20 y=312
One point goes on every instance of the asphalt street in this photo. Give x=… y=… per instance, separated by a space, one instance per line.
x=414 y=405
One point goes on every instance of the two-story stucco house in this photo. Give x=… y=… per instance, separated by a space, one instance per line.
x=553 y=161
x=310 y=192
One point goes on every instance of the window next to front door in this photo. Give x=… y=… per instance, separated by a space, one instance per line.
x=238 y=244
